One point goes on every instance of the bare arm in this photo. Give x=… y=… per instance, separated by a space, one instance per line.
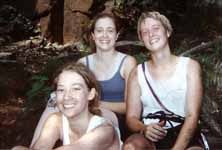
x=194 y=96
x=50 y=133
x=100 y=138
x=120 y=107
x=47 y=112
x=133 y=104
x=153 y=132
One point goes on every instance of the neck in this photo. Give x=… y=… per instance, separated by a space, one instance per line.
x=80 y=124
x=162 y=58
x=105 y=56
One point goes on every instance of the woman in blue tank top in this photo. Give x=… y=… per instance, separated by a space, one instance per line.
x=110 y=67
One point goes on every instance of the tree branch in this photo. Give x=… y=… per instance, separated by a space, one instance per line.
x=123 y=43
x=202 y=46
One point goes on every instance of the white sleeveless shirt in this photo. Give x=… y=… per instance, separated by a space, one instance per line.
x=171 y=92
x=95 y=121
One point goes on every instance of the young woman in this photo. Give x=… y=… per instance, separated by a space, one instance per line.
x=77 y=123
x=111 y=68
x=166 y=91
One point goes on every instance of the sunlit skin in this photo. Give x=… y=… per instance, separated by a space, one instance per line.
x=73 y=97
x=161 y=67
x=72 y=94
x=105 y=34
x=154 y=35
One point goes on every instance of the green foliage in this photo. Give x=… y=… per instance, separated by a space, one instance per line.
x=141 y=57
x=40 y=89
x=211 y=63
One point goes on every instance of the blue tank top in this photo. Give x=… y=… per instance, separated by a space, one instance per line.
x=112 y=90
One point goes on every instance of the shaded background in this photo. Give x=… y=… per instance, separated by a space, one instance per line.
x=38 y=35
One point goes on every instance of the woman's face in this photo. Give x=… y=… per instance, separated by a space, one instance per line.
x=154 y=35
x=104 y=34
x=72 y=94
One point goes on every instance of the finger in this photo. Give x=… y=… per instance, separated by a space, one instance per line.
x=161 y=130
x=153 y=135
x=162 y=123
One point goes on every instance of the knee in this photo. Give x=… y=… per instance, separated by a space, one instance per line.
x=138 y=142
x=19 y=148
x=195 y=148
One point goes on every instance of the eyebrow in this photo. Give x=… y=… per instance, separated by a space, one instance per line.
x=74 y=84
x=106 y=27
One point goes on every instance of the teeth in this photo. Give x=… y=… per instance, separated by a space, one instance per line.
x=68 y=105
x=104 y=41
x=153 y=41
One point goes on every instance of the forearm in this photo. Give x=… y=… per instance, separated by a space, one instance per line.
x=117 y=107
x=186 y=134
x=135 y=125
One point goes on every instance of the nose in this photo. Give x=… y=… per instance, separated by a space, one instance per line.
x=150 y=33
x=67 y=95
x=105 y=33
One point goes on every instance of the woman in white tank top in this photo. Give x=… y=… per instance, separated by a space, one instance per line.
x=77 y=123
x=176 y=84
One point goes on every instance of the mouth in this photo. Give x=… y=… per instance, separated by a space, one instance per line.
x=104 y=41
x=153 y=41
x=69 y=105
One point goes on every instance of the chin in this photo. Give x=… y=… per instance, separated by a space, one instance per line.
x=70 y=113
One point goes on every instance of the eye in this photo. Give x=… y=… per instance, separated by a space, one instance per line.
x=144 y=32
x=60 y=90
x=98 y=30
x=76 y=88
x=111 y=31
x=156 y=28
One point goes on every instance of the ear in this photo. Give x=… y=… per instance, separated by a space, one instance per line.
x=117 y=35
x=92 y=94
x=93 y=36
x=168 y=34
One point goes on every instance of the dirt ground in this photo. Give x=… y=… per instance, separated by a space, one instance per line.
x=16 y=125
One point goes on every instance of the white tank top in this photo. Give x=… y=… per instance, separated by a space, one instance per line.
x=171 y=92
x=95 y=121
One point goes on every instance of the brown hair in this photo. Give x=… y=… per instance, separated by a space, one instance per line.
x=91 y=27
x=157 y=16
x=89 y=79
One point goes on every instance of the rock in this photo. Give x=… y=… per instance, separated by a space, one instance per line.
x=75 y=22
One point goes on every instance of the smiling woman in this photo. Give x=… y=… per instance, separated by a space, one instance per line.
x=78 y=122
x=111 y=68
x=164 y=84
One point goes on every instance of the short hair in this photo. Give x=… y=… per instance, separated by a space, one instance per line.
x=91 y=27
x=89 y=79
x=157 y=16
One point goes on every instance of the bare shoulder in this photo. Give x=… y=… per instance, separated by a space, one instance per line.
x=130 y=60
x=193 y=66
x=128 y=64
x=82 y=60
x=54 y=120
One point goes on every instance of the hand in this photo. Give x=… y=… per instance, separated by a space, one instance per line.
x=155 y=132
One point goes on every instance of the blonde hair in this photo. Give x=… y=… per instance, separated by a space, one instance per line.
x=157 y=16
